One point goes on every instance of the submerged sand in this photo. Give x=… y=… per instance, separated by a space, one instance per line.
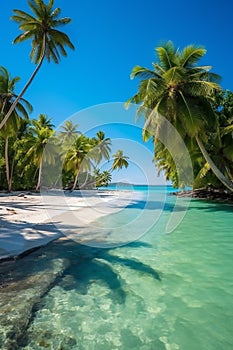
x=29 y=220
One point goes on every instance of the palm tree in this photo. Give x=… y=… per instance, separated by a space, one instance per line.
x=68 y=132
x=7 y=98
x=42 y=122
x=102 y=146
x=78 y=157
x=181 y=91
x=119 y=161
x=47 y=41
x=165 y=163
x=224 y=109
x=42 y=133
x=102 y=179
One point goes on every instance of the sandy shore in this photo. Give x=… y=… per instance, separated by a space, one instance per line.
x=32 y=220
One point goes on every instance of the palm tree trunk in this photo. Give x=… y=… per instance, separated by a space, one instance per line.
x=7 y=116
x=75 y=182
x=12 y=170
x=39 y=176
x=226 y=182
x=7 y=164
x=57 y=180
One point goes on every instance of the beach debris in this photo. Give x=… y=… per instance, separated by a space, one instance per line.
x=12 y=211
x=21 y=195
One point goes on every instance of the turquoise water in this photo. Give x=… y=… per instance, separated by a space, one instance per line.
x=163 y=291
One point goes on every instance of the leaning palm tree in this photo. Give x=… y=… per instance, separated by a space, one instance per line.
x=47 y=42
x=119 y=160
x=181 y=91
x=102 y=179
x=7 y=98
x=102 y=146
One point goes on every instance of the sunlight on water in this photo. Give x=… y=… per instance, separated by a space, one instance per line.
x=162 y=292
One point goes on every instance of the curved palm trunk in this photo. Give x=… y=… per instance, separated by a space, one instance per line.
x=75 y=182
x=39 y=176
x=226 y=182
x=8 y=179
x=7 y=116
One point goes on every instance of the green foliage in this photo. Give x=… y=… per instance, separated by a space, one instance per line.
x=26 y=145
x=35 y=143
x=41 y=27
x=119 y=160
x=189 y=97
x=102 y=179
x=47 y=41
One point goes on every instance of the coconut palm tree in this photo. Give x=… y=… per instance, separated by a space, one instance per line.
x=42 y=122
x=68 y=132
x=102 y=179
x=102 y=146
x=47 y=41
x=181 y=91
x=7 y=98
x=42 y=133
x=119 y=160
x=79 y=157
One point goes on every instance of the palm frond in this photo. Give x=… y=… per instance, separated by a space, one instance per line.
x=50 y=5
x=160 y=70
x=191 y=55
x=142 y=73
x=44 y=24
x=227 y=130
x=22 y=37
x=21 y=16
x=164 y=57
x=36 y=7
x=201 y=174
x=174 y=74
x=61 y=21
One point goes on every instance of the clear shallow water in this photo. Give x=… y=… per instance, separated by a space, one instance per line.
x=164 y=291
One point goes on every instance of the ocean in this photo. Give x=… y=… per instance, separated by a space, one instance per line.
x=158 y=284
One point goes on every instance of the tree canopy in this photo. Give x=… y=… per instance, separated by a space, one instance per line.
x=184 y=92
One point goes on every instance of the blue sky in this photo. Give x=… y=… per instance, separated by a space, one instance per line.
x=111 y=37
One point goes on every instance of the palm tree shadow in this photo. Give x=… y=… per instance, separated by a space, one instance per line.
x=134 y=265
x=70 y=266
x=89 y=271
x=85 y=267
x=96 y=265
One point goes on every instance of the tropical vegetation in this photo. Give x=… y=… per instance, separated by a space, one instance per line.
x=177 y=89
x=36 y=145
x=29 y=145
x=189 y=96
x=40 y=26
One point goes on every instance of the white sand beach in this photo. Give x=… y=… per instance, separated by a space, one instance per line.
x=32 y=220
